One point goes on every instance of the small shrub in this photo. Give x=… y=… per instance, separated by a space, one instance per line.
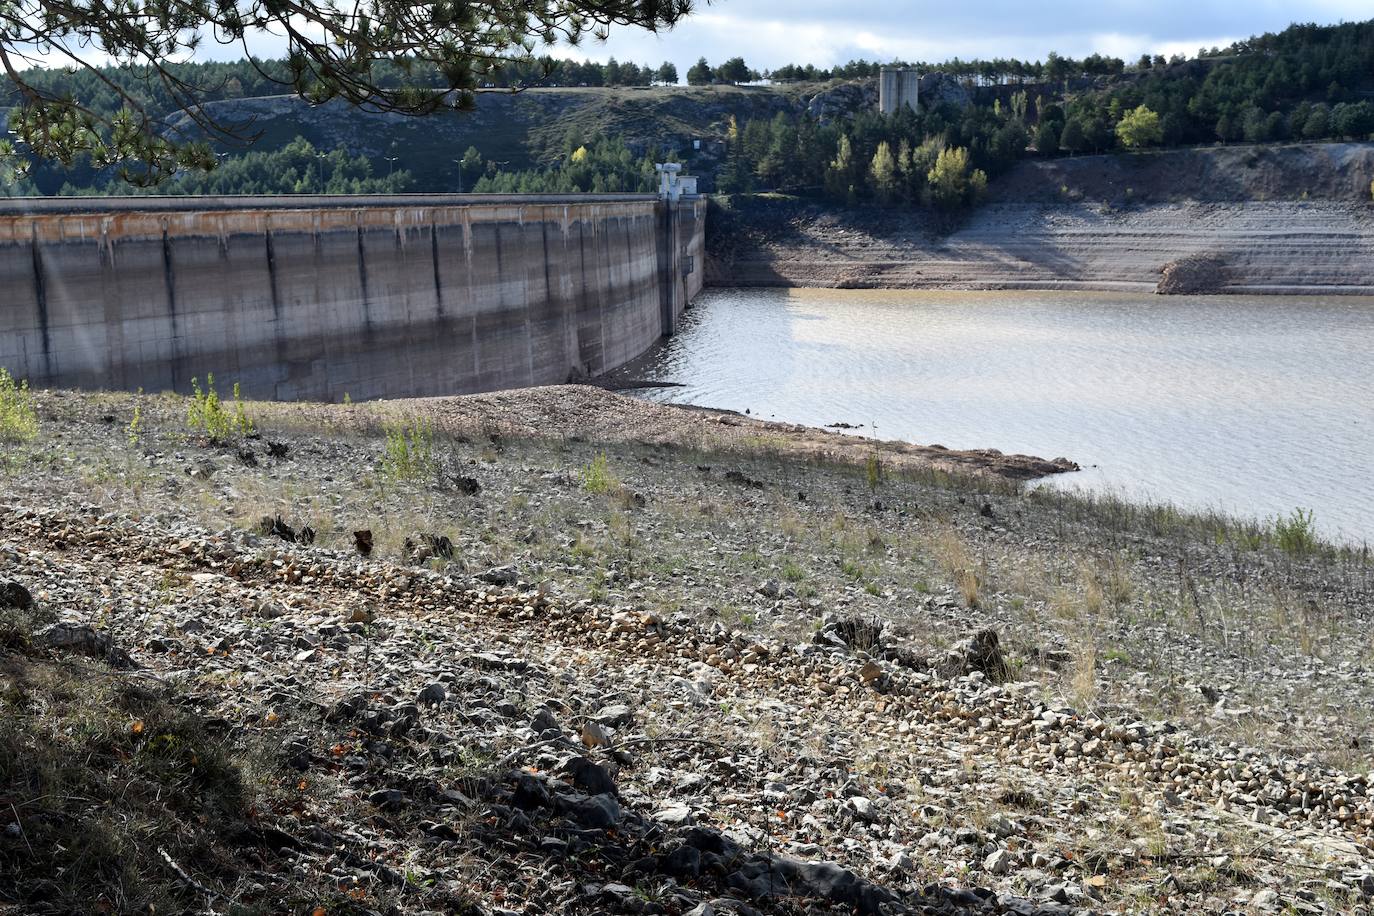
x=134 y=431
x=205 y=414
x=208 y=416
x=854 y=570
x=18 y=418
x=873 y=471
x=243 y=425
x=597 y=476
x=1117 y=582
x=792 y=572
x=409 y=452
x=952 y=555
x=1296 y=534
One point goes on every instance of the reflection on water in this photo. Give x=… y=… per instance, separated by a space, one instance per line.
x=1253 y=405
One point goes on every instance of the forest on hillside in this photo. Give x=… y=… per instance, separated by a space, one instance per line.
x=252 y=78
x=1306 y=83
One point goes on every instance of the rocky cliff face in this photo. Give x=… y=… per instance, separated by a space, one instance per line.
x=842 y=100
x=938 y=89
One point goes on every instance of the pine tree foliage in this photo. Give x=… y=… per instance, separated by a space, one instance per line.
x=335 y=50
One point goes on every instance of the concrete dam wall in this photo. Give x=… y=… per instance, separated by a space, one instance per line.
x=314 y=297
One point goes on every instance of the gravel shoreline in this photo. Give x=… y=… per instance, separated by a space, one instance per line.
x=614 y=657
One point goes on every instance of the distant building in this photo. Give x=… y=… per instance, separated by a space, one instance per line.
x=672 y=183
x=897 y=86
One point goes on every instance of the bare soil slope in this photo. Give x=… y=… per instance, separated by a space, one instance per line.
x=1228 y=174
x=1278 y=220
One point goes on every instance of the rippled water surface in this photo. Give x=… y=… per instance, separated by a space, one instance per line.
x=1250 y=405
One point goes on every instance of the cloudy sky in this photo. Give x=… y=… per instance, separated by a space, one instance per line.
x=769 y=33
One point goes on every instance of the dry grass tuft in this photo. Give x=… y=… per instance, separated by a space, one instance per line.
x=952 y=555
x=106 y=777
x=1083 y=674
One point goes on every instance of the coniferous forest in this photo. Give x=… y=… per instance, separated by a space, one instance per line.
x=1306 y=83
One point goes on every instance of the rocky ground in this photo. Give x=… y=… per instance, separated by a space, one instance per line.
x=567 y=652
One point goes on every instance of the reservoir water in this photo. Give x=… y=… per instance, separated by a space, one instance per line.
x=1251 y=405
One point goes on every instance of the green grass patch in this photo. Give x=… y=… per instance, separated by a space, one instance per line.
x=853 y=569
x=207 y=415
x=597 y=476
x=409 y=452
x=1296 y=533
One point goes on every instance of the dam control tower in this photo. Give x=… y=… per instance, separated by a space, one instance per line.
x=897 y=86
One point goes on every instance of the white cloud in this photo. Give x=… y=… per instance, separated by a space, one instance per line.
x=1130 y=47
x=1190 y=48
x=770 y=33
x=1126 y=47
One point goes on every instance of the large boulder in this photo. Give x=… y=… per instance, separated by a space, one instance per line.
x=842 y=100
x=1196 y=273
x=938 y=89
x=980 y=652
x=83 y=639
x=14 y=595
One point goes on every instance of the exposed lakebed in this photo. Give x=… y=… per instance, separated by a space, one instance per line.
x=1251 y=405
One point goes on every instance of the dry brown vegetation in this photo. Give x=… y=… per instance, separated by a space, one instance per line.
x=1109 y=612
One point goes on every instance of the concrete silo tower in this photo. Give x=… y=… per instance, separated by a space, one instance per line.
x=897 y=86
